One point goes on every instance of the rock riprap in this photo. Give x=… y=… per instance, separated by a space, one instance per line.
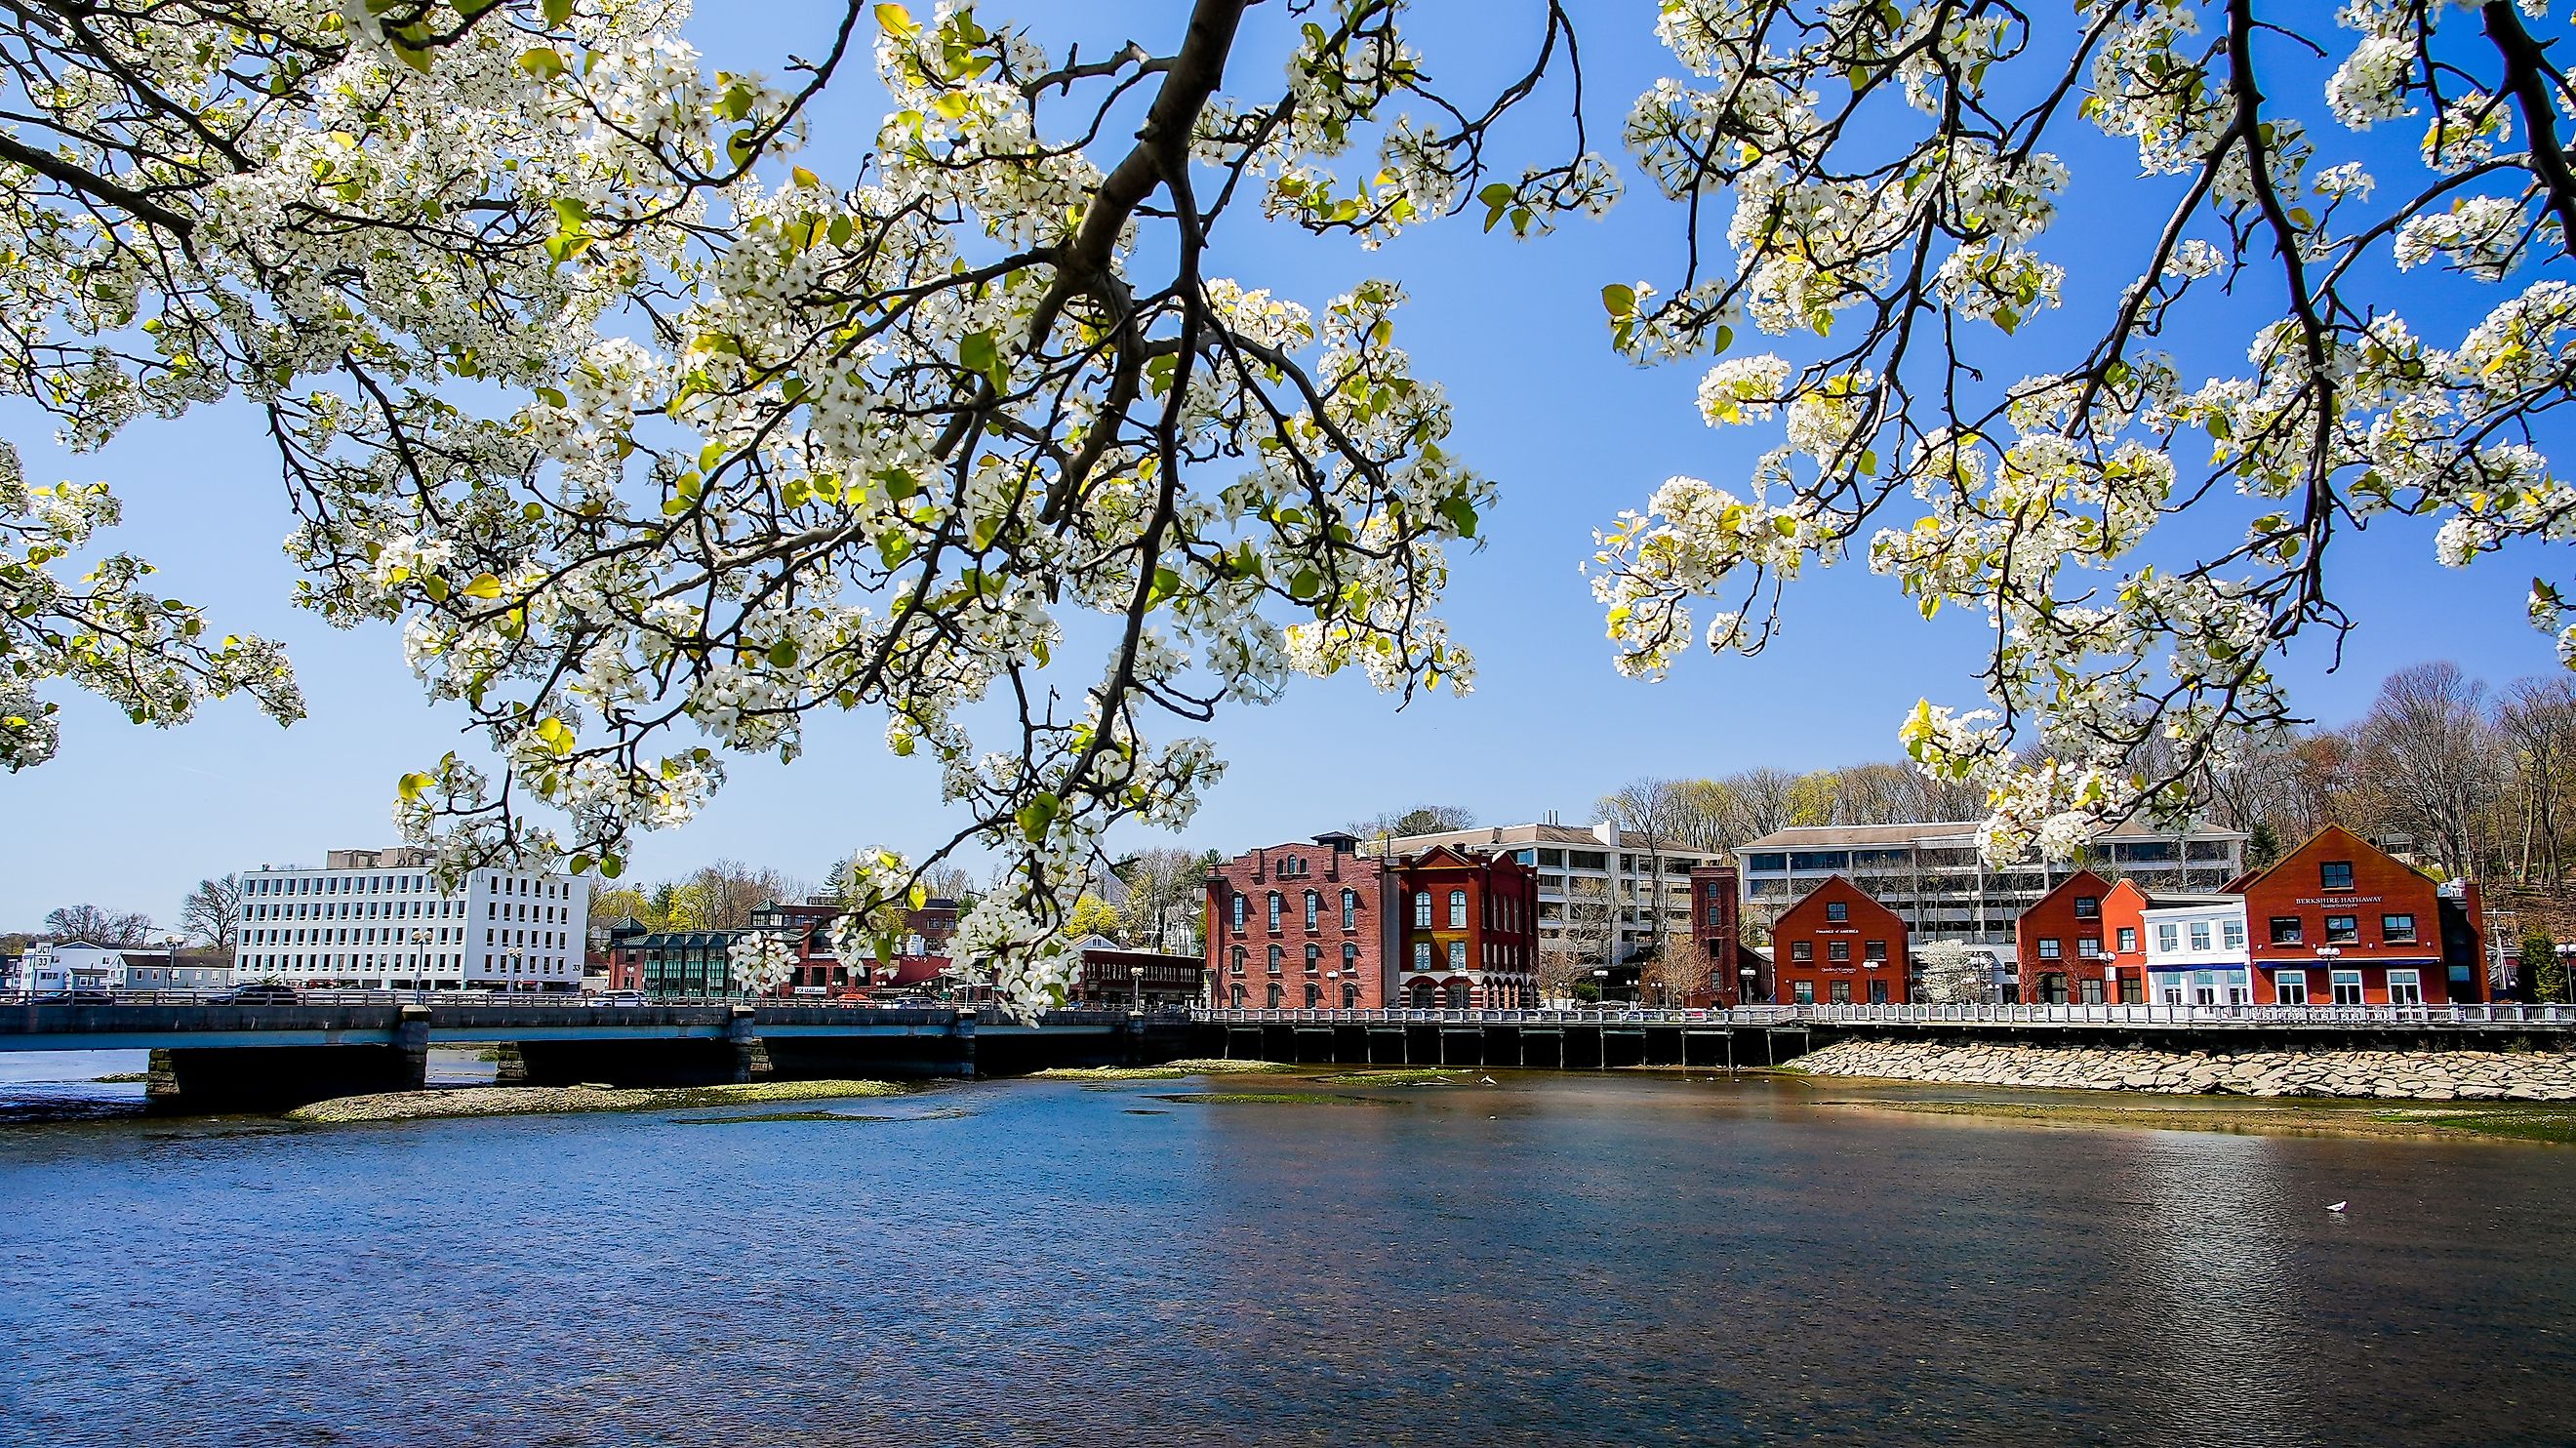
x=2443 y=1075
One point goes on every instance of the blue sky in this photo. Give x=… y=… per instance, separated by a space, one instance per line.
x=131 y=818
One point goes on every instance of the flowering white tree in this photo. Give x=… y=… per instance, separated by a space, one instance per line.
x=761 y=961
x=652 y=443
x=1951 y=974
x=1886 y=181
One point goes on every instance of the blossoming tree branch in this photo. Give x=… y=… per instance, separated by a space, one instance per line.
x=652 y=442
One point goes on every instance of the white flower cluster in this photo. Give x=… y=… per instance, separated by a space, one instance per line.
x=760 y=961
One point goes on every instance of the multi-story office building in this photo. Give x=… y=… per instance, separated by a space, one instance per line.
x=376 y=919
x=1933 y=876
x=1604 y=895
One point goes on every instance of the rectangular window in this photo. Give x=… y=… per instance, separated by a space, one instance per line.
x=2200 y=935
x=2343 y=929
x=1314 y=908
x=1875 y=950
x=2089 y=947
x=1457 y=909
x=2405 y=988
x=2088 y=907
x=1841 y=993
x=2286 y=930
x=2048 y=947
x=2335 y=875
x=2168 y=938
x=1422 y=955
x=1457 y=955
x=2347 y=987
x=1421 y=909
x=1837 y=912
x=2089 y=991
x=1803 y=992
x=1878 y=992
x=2233 y=932
x=2397 y=930
x=1802 y=950
x=1838 y=950
x=2128 y=939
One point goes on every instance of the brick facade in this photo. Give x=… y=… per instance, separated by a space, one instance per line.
x=1718 y=954
x=2338 y=906
x=2061 y=945
x=1321 y=925
x=1264 y=950
x=1839 y=946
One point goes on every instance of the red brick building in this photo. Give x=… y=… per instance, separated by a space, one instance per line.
x=2338 y=921
x=1321 y=925
x=2061 y=946
x=1470 y=930
x=1726 y=972
x=1839 y=946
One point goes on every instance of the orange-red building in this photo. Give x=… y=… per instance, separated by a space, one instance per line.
x=1319 y=924
x=2062 y=946
x=1838 y=946
x=2338 y=921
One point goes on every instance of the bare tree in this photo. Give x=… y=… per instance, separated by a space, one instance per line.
x=2538 y=716
x=2428 y=760
x=723 y=894
x=212 y=911
x=98 y=927
x=1585 y=930
x=1422 y=819
x=1763 y=800
x=1649 y=813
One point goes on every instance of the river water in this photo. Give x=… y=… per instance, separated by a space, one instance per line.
x=1549 y=1259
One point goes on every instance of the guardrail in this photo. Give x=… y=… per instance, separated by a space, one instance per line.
x=547 y=1000
x=2504 y=1014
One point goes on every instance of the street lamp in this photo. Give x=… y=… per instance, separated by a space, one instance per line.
x=1136 y=989
x=419 y=953
x=1752 y=982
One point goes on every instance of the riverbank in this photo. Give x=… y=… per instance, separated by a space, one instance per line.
x=550 y=1100
x=2144 y=1111
x=2417 y=1075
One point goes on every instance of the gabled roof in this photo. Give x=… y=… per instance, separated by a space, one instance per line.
x=2101 y=887
x=2331 y=835
x=1828 y=883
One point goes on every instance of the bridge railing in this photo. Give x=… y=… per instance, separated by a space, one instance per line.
x=2247 y=1016
x=1740 y=1016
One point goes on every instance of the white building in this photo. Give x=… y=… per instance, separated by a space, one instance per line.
x=1596 y=884
x=51 y=969
x=376 y=920
x=2195 y=949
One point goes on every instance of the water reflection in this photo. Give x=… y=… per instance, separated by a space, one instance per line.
x=1549 y=1259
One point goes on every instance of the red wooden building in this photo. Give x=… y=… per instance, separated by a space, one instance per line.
x=2061 y=947
x=1841 y=947
x=2339 y=921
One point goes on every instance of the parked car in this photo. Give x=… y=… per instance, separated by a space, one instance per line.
x=260 y=993
x=618 y=998
x=86 y=996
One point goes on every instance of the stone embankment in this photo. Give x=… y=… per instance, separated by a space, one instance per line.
x=2444 y=1075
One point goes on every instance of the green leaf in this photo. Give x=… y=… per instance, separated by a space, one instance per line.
x=1619 y=299
x=1497 y=195
x=783 y=653
x=411 y=786
x=1037 y=814
x=543 y=62
x=896 y=21
x=558 y=11
x=483 y=586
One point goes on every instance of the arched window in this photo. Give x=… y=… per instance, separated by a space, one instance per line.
x=1457 y=909
x=1274 y=960
x=1424 y=995
x=1238 y=913
x=1350 y=909
x=1458 y=995
x=1314 y=995
x=1274 y=912
x=1351 y=958
x=1238 y=997
x=1314 y=959
x=1274 y=996
x=1314 y=909
x=1422 y=909
x=1238 y=960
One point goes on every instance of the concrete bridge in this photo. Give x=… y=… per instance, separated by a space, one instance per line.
x=224 y=1055
x=1600 y=1038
